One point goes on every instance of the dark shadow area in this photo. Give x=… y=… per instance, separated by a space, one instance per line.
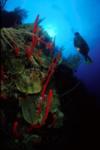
x=12 y=18
x=78 y=106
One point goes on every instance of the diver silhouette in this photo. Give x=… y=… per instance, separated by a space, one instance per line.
x=81 y=45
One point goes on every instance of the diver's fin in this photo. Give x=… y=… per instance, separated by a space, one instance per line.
x=88 y=60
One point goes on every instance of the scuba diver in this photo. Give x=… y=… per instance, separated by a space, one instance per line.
x=81 y=46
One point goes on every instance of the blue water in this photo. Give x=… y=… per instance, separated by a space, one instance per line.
x=62 y=19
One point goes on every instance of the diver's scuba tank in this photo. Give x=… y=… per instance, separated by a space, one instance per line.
x=81 y=46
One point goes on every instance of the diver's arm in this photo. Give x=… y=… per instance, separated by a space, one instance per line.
x=75 y=45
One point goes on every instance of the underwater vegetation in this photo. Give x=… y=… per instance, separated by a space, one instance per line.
x=11 y=18
x=40 y=97
x=27 y=68
x=28 y=71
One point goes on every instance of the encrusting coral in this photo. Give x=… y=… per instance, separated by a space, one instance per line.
x=28 y=63
x=27 y=67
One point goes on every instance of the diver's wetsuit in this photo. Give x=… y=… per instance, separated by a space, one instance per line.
x=81 y=45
